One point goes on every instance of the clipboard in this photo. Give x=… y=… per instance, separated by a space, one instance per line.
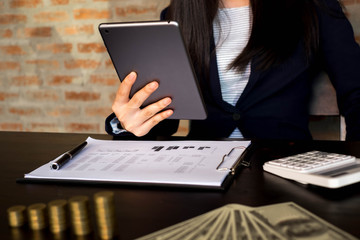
x=176 y=164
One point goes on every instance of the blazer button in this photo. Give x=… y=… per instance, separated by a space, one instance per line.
x=236 y=116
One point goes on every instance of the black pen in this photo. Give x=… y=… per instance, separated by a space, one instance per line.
x=67 y=157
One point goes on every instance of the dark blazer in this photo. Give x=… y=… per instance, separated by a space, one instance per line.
x=275 y=102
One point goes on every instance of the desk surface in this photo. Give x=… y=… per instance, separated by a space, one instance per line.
x=141 y=210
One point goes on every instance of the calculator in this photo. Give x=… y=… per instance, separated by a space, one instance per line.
x=330 y=170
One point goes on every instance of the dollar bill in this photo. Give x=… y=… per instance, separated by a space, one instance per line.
x=235 y=221
x=184 y=229
x=294 y=222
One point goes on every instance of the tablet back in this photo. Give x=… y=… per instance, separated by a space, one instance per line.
x=156 y=51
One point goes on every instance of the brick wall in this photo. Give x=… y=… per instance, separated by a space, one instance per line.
x=55 y=74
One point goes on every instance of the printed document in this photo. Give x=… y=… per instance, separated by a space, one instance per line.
x=203 y=163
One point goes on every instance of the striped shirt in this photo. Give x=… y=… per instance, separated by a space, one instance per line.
x=231 y=32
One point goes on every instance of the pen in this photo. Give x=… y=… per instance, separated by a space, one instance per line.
x=67 y=157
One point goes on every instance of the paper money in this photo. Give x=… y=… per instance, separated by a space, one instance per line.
x=235 y=221
x=294 y=222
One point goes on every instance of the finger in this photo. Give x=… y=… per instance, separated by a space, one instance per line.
x=124 y=89
x=140 y=96
x=152 y=122
x=140 y=116
x=152 y=109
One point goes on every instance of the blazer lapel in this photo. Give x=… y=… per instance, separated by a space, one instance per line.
x=253 y=79
x=273 y=80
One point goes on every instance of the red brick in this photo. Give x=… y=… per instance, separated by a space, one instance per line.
x=86 y=13
x=76 y=30
x=108 y=80
x=23 y=111
x=56 y=16
x=82 y=96
x=109 y=64
x=98 y=112
x=61 y=80
x=91 y=47
x=42 y=95
x=12 y=18
x=6 y=95
x=37 y=32
x=134 y=10
x=25 y=81
x=43 y=63
x=59 y=2
x=11 y=126
x=63 y=112
x=12 y=50
x=82 y=127
x=82 y=63
x=6 y=33
x=43 y=127
x=55 y=47
x=25 y=3
x=9 y=66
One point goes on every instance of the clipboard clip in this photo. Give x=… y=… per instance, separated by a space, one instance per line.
x=239 y=161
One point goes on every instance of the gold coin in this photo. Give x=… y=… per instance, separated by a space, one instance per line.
x=80 y=215
x=16 y=216
x=57 y=215
x=37 y=216
x=105 y=214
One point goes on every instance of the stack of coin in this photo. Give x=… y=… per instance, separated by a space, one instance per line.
x=105 y=214
x=16 y=216
x=80 y=215
x=57 y=215
x=37 y=216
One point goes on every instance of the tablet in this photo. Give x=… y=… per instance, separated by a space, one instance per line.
x=155 y=51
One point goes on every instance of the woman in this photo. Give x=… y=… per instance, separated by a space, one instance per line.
x=255 y=61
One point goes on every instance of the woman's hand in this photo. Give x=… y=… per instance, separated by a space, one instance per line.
x=132 y=118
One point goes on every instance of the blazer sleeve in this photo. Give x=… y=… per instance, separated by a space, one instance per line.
x=341 y=58
x=164 y=128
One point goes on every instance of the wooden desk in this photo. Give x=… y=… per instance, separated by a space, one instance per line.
x=143 y=210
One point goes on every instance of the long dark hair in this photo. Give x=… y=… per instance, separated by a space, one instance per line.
x=278 y=27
